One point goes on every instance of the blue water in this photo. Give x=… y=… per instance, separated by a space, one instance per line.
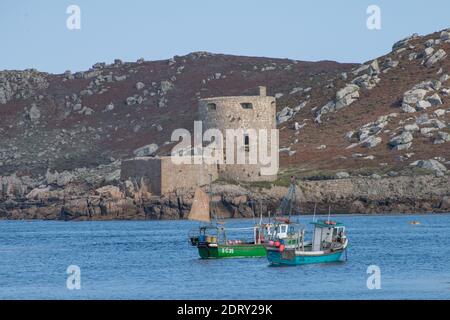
x=153 y=260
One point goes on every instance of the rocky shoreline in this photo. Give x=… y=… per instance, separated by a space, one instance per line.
x=93 y=196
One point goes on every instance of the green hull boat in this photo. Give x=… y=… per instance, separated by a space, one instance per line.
x=214 y=241
x=231 y=251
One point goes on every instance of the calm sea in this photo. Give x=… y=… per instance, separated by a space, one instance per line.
x=153 y=260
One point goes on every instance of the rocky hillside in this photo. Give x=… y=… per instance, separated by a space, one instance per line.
x=383 y=124
x=69 y=121
x=384 y=116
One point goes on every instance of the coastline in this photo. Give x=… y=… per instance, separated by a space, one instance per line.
x=401 y=195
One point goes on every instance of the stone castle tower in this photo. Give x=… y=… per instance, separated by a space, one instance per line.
x=240 y=112
x=159 y=175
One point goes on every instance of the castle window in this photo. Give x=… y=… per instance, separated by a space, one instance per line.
x=246 y=142
x=212 y=106
x=247 y=105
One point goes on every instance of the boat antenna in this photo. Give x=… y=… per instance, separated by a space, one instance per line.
x=293 y=183
x=252 y=206
x=315 y=208
x=260 y=213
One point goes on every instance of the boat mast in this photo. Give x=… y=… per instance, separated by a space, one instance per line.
x=288 y=201
x=293 y=196
x=303 y=239
x=260 y=213
x=210 y=198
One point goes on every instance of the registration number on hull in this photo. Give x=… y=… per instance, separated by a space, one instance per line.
x=227 y=250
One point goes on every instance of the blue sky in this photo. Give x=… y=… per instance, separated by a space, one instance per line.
x=34 y=34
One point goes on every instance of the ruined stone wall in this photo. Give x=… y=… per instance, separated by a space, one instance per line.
x=227 y=113
x=185 y=177
x=162 y=176
x=145 y=170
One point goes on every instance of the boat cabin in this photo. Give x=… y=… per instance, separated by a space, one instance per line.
x=283 y=228
x=326 y=233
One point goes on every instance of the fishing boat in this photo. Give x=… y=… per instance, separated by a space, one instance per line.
x=288 y=245
x=329 y=244
x=213 y=240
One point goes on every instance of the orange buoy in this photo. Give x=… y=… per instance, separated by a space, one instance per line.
x=282 y=248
